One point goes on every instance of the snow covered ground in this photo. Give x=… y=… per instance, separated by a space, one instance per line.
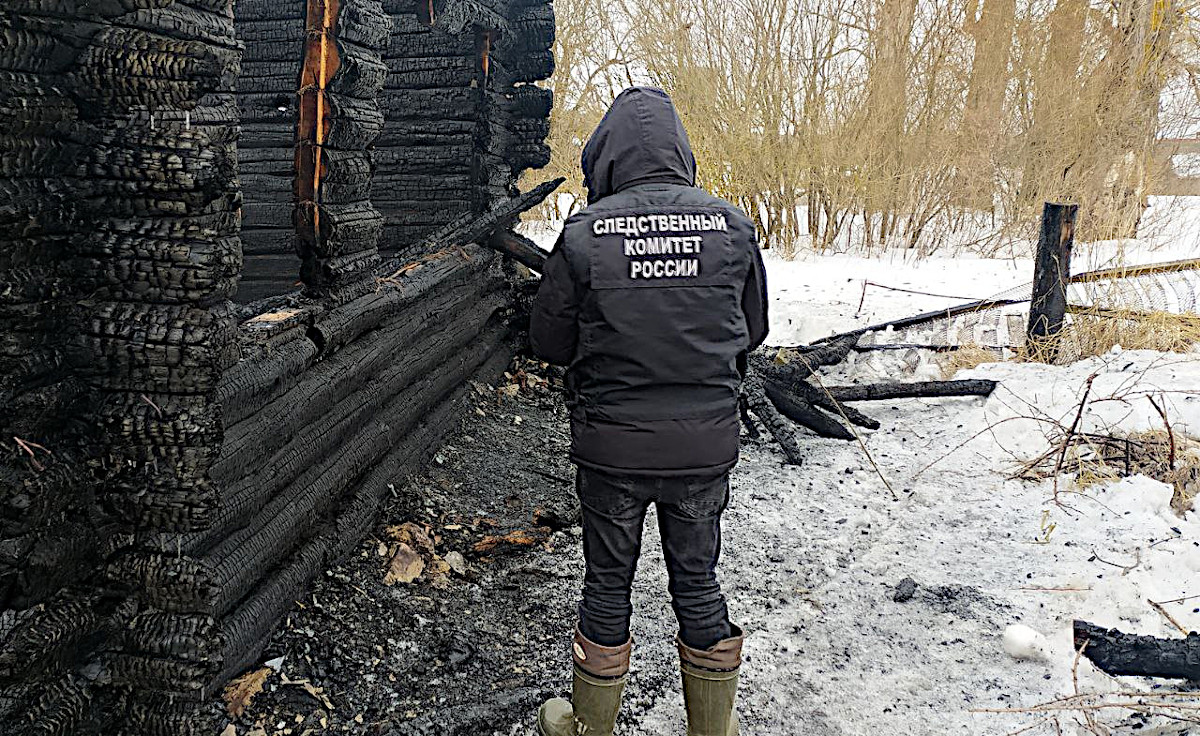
x=813 y=554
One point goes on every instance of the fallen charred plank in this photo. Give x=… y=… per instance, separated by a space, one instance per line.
x=520 y=248
x=472 y=228
x=805 y=414
x=761 y=406
x=1118 y=653
x=915 y=390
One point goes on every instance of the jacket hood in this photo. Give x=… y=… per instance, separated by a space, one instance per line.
x=640 y=140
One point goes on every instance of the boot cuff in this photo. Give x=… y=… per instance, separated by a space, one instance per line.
x=724 y=656
x=598 y=660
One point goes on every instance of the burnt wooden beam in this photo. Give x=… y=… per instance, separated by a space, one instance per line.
x=471 y=228
x=805 y=414
x=914 y=390
x=819 y=397
x=761 y=406
x=520 y=248
x=1118 y=653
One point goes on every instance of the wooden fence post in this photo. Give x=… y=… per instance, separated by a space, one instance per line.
x=1052 y=270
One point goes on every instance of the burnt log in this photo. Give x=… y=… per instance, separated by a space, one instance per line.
x=472 y=229
x=824 y=409
x=1118 y=653
x=761 y=406
x=520 y=248
x=913 y=390
x=805 y=414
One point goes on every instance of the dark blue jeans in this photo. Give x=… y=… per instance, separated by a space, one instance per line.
x=689 y=522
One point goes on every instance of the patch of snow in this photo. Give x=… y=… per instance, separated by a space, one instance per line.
x=1021 y=642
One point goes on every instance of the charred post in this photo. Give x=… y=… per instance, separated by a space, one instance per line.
x=1052 y=273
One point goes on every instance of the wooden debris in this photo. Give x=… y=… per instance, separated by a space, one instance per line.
x=1119 y=653
x=405 y=567
x=240 y=693
x=518 y=538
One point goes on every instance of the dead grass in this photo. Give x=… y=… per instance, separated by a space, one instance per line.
x=966 y=357
x=1093 y=458
x=1098 y=332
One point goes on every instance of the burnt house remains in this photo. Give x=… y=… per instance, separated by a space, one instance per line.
x=241 y=292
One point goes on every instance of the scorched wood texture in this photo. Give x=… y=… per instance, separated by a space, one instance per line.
x=174 y=467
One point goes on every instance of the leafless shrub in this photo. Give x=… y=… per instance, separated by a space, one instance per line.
x=868 y=123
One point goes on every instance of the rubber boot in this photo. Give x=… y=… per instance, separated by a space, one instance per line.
x=710 y=680
x=599 y=680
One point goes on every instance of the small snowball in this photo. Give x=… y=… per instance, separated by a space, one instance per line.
x=1022 y=642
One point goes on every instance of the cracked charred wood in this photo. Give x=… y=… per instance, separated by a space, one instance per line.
x=472 y=229
x=157 y=348
x=805 y=414
x=213 y=583
x=353 y=319
x=47 y=637
x=353 y=522
x=819 y=397
x=247 y=495
x=914 y=390
x=760 y=405
x=1117 y=653
x=520 y=248
x=59 y=706
x=171 y=647
x=251 y=384
x=373 y=365
x=802 y=362
x=119 y=248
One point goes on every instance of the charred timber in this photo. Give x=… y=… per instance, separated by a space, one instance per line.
x=1118 y=653
x=913 y=390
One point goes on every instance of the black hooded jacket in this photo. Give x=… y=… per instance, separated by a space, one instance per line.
x=653 y=296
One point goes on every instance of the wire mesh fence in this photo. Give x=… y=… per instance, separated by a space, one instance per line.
x=1000 y=321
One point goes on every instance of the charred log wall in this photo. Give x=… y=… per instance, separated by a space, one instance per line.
x=334 y=405
x=273 y=33
x=461 y=119
x=441 y=107
x=180 y=468
x=118 y=252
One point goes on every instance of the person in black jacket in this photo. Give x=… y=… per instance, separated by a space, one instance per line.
x=653 y=297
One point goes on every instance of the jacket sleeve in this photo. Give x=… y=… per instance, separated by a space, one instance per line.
x=554 y=324
x=754 y=297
